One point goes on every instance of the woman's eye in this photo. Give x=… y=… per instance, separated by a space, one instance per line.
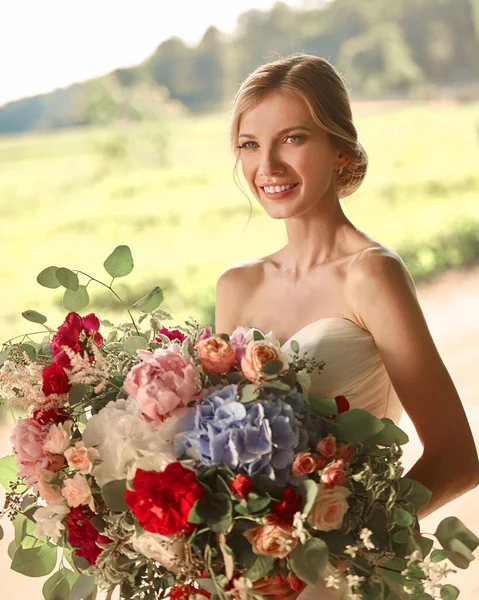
x=297 y=138
x=246 y=146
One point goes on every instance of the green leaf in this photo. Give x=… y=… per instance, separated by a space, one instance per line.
x=48 y=278
x=294 y=346
x=272 y=367
x=2 y=533
x=84 y=588
x=30 y=351
x=419 y=494
x=150 y=301
x=134 y=343
x=262 y=566
x=358 y=425
x=438 y=555
x=68 y=279
x=34 y=316
x=308 y=561
x=461 y=555
x=35 y=562
x=57 y=587
x=401 y=536
x=193 y=516
x=258 y=503
x=12 y=548
x=257 y=335
x=249 y=392
x=308 y=490
x=77 y=393
x=449 y=592
x=336 y=540
x=452 y=527
x=402 y=517
x=113 y=494
x=221 y=526
x=421 y=596
x=76 y=300
x=120 y=262
x=9 y=472
x=324 y=407
x=391 y=434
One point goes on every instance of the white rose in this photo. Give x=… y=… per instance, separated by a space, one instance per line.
x=329 y=507
x=49 y=521
x=161 y=548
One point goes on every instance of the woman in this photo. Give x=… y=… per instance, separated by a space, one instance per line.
x=343 y=296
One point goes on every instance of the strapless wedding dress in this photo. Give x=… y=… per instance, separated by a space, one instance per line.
x=352 y=368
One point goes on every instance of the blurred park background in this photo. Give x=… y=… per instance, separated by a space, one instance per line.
x=139 y=155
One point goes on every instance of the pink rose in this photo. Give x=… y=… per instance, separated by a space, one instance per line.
x=334 y=474
x=345 y=452
x=77 y=491
x=52 y=494
x=27 y=440
x=321 y=461
x=256 y=356
x=327 y=446
x=303 y=463
x=329 y=508
x=205 y=333
x=216 y=354
x=58 y=438
x=272 y=540
x=163 y=381
x=81 y=458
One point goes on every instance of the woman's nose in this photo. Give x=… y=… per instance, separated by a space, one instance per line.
x=270 y=165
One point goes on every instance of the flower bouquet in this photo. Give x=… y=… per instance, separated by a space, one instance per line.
x=182 y=463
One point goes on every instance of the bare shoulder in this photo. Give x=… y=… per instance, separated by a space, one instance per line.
x=232 y=289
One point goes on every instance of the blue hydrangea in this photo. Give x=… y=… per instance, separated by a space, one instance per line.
x=258 y=437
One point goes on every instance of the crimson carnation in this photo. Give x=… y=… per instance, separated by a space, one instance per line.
x=186 y=591
x=162 y=501
x=171 y=334
x=55 y=380
x=69 y=334
x=241 y=485
x=82 y=535
x=283 y=510
x=50 y=416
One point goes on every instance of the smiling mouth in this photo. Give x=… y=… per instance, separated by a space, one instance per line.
x=278 y=189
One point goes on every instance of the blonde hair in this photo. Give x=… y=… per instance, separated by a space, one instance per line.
x=318 y=83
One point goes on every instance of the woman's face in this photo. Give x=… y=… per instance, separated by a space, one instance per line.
x=281 y=145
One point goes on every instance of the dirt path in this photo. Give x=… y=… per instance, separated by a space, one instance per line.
x=451 y=306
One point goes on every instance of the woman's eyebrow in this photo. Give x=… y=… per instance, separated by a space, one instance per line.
x=282 y=132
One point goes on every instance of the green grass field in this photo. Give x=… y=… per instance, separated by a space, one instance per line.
x=67 y=198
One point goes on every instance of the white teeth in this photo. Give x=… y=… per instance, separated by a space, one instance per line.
x=274 y=189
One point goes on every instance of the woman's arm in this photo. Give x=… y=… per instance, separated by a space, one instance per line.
x=383 y=297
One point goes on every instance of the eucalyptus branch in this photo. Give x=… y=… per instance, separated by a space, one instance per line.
x=23 y=335
x=108 y=287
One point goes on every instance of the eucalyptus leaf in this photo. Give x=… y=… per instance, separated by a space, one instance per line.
x=402 y=517
x=76 y=300
x=29 y=350
x=294 y=346
x=249 y=393
x=308 y=561
x=257 y=335
x=77 y=393
x=308 y=490
x=449 y=592
x=324 y=407
x=258 y=503
x=401 y=536
x=2 y=533
x=113 y=494
x=68 y=279
x=358 y=425
x=452 y=527
x=57 y=587
x=120 y=262
x=35 y=562
x=439 y=555
x=261 y=567
x=150 y=301
x=9 y=472
x=47 y=278
x=134 y=343
x=34 y=316
x=391 y=434
x=419 y=494
x=84 y=588
x=272 y=367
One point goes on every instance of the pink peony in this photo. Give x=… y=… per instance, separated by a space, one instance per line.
x=216 y=354
x=163 y=381
x=256 y=356
x=329 y=508
x=81 y=458
x=272 y=540
x=334 y=474
x=77 y=492
x=327 y=446
x=27 y=440
x=238 y=341
x=303 y=463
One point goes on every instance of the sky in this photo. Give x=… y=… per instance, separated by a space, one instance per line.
x=45 y=44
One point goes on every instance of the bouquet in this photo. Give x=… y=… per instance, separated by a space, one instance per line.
x=178 y=462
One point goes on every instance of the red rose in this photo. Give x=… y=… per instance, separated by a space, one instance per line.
x=69 y=334
x=55 y=380
x=162 y=501
x=92 y=323
x=242 y=486
x=283 y=510
x=82 y=535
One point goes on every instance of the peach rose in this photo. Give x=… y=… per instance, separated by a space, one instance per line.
x=52 y=494
x=58 y=438
x=77 y=491
x=257 y=355
x=81 y=458
x=334 y=474
x=272 y=540
x=216 y=354
x=327 y=446
x=303 y=463
x=345 y=452
x=329 y=508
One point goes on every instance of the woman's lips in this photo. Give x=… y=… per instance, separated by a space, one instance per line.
x=279 y=195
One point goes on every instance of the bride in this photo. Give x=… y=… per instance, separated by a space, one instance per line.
x=344 y=297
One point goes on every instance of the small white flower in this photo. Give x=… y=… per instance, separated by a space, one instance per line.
x=413 y=557
x=332 y=581
x=49 y=521
x=299 y=530
x=365 y=535
x=354 y=580
x=351 y=550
